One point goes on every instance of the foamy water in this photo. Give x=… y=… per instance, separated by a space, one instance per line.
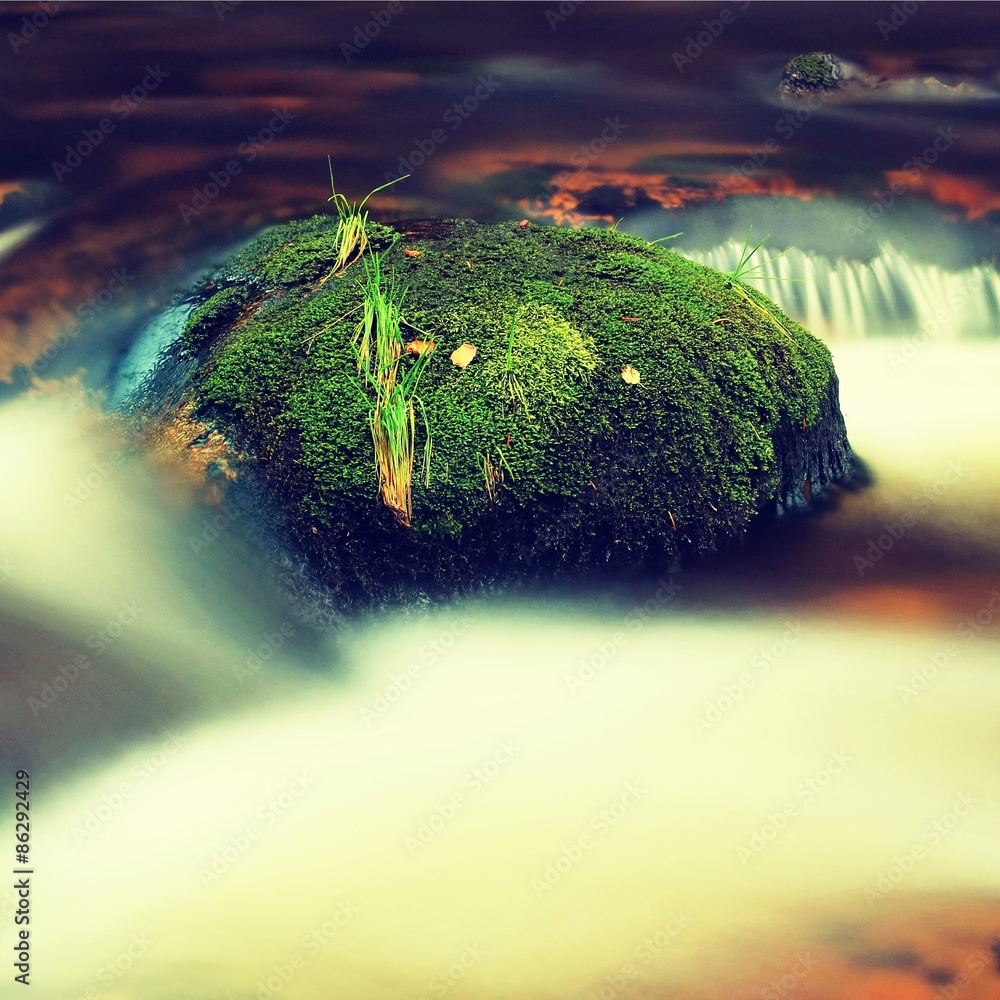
x=500 y=797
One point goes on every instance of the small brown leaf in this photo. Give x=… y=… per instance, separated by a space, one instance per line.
x=407 y=252
x=420 y=347
x=630 y=374
x=631 y=319
x=461 y=356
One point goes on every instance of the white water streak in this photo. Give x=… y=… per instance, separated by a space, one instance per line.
x=841 y=299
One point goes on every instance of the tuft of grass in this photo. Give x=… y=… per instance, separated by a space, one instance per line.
x=352 y=238
x=378 y=345
x=493 y=472
x=672 y=236
x=745 y=271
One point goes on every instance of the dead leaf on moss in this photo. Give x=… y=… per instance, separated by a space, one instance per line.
x=420 y=347
x=407 y=252
x=631 y=319
x=630 y=375
x=461 y=356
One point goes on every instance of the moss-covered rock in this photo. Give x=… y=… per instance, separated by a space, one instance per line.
x=810 y=73
x=826 y=76
x=545 y=457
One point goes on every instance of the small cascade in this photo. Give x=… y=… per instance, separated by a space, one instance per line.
x=893 y=294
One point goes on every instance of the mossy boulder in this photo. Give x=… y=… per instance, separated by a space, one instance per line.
x=821 y=74
x=625 y=407
x=810 y=74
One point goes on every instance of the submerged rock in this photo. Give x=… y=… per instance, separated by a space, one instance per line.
x=623 y=406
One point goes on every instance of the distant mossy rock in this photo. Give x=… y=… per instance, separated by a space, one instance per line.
x=625 y=406
x=810 y=74
x=825 y=75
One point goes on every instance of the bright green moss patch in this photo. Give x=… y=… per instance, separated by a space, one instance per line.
x=544 y=458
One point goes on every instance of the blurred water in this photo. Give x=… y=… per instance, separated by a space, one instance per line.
x=522 y=790
x=847 y=299
x=675 y=787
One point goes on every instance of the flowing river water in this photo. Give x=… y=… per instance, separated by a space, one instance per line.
x=770 y=775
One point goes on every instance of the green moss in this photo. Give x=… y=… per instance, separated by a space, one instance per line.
x=544 y=457
x=815 y=70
